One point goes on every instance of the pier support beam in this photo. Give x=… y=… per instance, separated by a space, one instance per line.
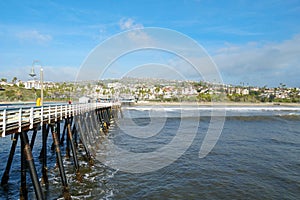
x=63 y=135
x=75 y=134
x=63 y=177
x=84 y=140
x=5 y=176
x=58 y=135
x=23 y=187
x=47 y=132
x=33 y=138
x=95 y=122
x=67 y=122
x=103 y=120
x=75 y=159
x=44 y=155
x=28 y=155
x=92 y=125
x=89 y=132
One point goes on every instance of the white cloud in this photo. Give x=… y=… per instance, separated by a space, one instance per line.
x=270 y=63
x=138 y=35
x=34 y=35
x=129 y=23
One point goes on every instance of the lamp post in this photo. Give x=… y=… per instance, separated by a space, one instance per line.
x=42 y=86
x=32 y=74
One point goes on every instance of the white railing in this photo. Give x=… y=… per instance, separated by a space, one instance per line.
x=27 y=117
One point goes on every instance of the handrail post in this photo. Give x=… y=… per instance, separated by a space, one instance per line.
x=4 y=123
x=55 y=113
x=49 y=112
x=20 y=120
x=42 y=115
x=31 y=118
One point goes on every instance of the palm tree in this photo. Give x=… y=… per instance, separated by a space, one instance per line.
x=282 y=85
x=14 y=80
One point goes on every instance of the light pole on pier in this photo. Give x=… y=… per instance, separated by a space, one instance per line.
x=32 y=74
x=42 y=86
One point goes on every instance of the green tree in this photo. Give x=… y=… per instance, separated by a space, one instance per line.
x=14 y=80
x=204 y=97
x=21 y=85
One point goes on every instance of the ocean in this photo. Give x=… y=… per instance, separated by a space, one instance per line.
x=173 y=152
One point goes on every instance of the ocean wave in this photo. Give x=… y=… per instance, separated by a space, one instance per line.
x=201 y=111
x=210 y=108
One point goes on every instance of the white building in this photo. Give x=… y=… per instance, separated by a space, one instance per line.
x=5 y=83
x=115 y=85
x=84 y=99
x=32 y=84
x=245 y=91
x=37 y=84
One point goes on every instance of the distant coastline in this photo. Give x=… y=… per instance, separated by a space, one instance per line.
x=156 y=103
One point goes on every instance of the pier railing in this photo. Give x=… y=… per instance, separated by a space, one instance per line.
x=13 y=120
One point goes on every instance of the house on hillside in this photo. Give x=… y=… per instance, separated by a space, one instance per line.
x=84 y=99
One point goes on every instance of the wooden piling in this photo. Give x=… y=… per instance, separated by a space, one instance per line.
x=44 y=155
x=84 y=140
x=23 y=187
x=5 y=176
x=29 y=158
x=75 y=159
x=63 y=135
x=60 y=162
x=33 y=138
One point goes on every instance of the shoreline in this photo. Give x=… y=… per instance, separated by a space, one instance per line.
x=152 y=103
x=233 y=104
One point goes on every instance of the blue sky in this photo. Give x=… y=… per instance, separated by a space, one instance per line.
x=251 y=42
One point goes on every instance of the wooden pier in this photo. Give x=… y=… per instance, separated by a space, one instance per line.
x=81 y=123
